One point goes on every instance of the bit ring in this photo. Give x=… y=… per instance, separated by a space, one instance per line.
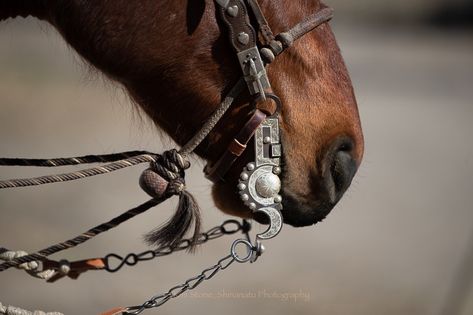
x=249 y=248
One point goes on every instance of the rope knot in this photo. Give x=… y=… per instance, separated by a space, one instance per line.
x=176 y=186
x=165 y=177
x=31 y=266
x=171 y=165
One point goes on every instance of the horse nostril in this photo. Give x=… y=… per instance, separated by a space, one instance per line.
x=340 y=168
x=343 y=169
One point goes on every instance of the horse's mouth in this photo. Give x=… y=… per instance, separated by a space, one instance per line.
x=305 y=206
x=299 y=214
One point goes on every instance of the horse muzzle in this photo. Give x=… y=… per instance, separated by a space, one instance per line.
x=337 y=169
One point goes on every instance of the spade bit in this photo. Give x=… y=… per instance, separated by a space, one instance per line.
x=259 y=182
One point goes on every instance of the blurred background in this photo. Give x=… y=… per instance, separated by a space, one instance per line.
x=398 y=243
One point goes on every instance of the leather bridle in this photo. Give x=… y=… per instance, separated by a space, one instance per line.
x=256 y=46
x=263 y=46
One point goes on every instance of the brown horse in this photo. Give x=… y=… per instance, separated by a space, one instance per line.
x=175 y=61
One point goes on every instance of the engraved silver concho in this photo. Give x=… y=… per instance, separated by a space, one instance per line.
x=259 y=182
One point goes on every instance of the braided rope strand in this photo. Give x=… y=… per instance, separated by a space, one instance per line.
x=11 y=310
x=104 y=169
x=77 y=160
x=84 y=237
x=212 y=121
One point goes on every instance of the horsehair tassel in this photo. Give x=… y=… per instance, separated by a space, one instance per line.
x=174 y=230
x=165 y=178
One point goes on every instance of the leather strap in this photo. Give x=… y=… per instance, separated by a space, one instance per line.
x=242 y=34
x=265 y=32
x=237 y=146
x=116 y=311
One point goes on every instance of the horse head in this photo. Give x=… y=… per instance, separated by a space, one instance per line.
x=174 y=59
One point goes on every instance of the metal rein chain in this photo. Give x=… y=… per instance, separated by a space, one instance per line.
x=207 y=274
x=189 y=284
x=228 y=227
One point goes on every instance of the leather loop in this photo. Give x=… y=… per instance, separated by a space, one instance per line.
x=264 y=31
x=237 y=146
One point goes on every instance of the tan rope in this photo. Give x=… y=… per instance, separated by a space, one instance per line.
x=104 y=169
x=32 y=267
x=12 y=310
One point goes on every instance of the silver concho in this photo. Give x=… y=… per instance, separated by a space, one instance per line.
x=259 y=183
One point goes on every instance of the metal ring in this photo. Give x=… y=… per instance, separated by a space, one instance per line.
x=249 y=247
x=272 y=96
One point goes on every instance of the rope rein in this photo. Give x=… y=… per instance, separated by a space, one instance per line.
x=11 y=310
x=86 y=159
x=163 y=179
x=99 y=170
x=52 y=270
x=81 y=238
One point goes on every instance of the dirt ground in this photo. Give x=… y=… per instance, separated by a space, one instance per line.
x=392 y=246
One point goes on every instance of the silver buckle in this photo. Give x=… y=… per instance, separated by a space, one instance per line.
x=254 y=71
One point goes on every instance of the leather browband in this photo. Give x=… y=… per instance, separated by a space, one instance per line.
x=237 y=146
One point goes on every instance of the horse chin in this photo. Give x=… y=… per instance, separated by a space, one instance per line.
x=227 y=200
x=299 y=214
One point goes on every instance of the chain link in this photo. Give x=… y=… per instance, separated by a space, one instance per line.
x=114 y=262
x=208 y=273
x=190 y=284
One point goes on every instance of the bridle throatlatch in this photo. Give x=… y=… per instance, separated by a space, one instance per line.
x=258 y=186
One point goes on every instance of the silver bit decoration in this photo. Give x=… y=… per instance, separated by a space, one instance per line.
x=260 y=178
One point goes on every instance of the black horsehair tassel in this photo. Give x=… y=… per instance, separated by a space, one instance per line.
x=173 y=231
x=166 y=178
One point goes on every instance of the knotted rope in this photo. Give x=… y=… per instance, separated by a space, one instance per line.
x=164 y=178
x=32 y=267
x=11 y=310
x=169 y=174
